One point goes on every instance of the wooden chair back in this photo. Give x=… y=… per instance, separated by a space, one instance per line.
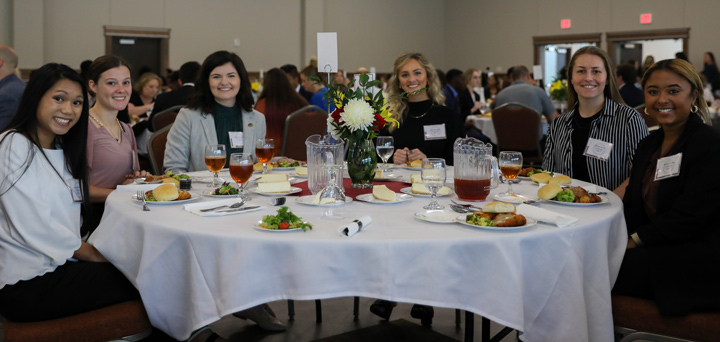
x=299 y=125
x=517 y=128
x=156 y=149
x=164 y=118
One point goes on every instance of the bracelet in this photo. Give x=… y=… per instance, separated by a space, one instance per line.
x=637 y=240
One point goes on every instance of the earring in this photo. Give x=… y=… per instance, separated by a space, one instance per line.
x=694 y=109
x=646 y=113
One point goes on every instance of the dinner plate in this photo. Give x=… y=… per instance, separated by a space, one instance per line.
x=573 y=204
x=388 y=178
x=293 y=190
x=413 y=168
x=370 y=199
x=293 y=174
x=209 y=193
x=193 y=197
x=512 y=198
x=408 y=191
x=308 y=200
x=141 y=180
x=436 y=216
x=284 y=168
x=258 y=227
x=462 y=220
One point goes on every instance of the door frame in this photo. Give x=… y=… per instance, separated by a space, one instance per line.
x=616 y=37
x=141 y=32
x=539 y=41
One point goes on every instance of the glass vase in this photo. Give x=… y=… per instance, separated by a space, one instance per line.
x=361 y=162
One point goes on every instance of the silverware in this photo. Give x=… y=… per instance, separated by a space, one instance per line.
x=238 y=209
x=460 y=209
x=230 y=206
x=141 y=196
x=466 y=205
x=277 y=200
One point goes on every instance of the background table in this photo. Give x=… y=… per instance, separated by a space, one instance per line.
x=551 y=283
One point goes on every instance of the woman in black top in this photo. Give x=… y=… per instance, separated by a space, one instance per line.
x=427 y=127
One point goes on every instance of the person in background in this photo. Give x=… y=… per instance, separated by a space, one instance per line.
x=47 y=270
x=493 y=87
x=187 y=74
x=598 y=122
x=626 y=77
x=672 y=252
x=278 y=100
x=470 y=99
x=172 y=81
x=710 y=69
x=647 y=63
x=707 y=91
x=11 y=87
x=143 y=96
x=294 y=78
x=681 y=55
x=317 y=88
x=451 y=90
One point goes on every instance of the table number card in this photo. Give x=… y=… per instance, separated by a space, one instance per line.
x=327 y=52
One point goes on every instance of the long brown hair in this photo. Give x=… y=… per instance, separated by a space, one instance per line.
x=280 y=100
x=686 y=71
x=611 y=89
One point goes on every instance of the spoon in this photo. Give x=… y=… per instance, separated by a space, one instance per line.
x=233 y=206
x=277 y=200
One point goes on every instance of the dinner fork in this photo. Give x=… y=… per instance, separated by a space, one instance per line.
x=141 y=196
x=460 y=209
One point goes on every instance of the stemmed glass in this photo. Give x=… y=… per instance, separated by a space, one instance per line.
x=385 y=148
x=510 y=165
x=332 y=194
x=264 y=150
x=241 y=169
x=215 y=158
x=433 y=177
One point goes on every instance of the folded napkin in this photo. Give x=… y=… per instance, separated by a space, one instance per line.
x=196 y=207
x=137 y=187
x=546 y=216
x=355 y=226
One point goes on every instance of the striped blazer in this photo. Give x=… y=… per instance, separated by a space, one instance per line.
x=618 y=124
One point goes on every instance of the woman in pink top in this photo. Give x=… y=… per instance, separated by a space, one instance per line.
x=112 y=151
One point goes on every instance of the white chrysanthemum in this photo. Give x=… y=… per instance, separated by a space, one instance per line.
x=357 y=115
x=331 y=128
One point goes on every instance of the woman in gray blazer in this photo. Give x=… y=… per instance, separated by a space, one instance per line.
x=221 y=106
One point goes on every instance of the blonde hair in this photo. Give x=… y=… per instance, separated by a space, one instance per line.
x=686 y=71
x=468 y=75
x=398 y=105
x=611 y=89
x=145 y=79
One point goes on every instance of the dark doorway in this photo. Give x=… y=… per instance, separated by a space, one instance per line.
x=143 y=54
x=630 y=52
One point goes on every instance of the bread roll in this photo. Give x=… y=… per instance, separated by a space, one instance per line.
x=499 y=207
x=541 y=177
x=560 y=180
x=166 y=192
x=414 y=163
x=549 y=191
x=172 y=181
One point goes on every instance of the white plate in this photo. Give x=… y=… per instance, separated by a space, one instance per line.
x=413 y=168
x=462 y=220
x=293 y=190
x=511 y=198
x=436 y=216
x=388 y=178
x=370 y=199
x=307 y=200
x=284 y=168
x=193 y=194
x=142 y=181
x=408 y=191
x=257 y=226
x=293 y=174
x=573 y=204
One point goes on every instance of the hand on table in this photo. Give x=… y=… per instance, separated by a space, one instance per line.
x=137 y=174
x=404 y=155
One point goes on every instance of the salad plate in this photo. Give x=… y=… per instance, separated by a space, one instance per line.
x=573 y=204
x=259 y=226
x=193 y=196
x=462 y=219
x=370 y=199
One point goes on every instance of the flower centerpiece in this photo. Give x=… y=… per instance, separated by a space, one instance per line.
x=559 y=93
x=360 y=113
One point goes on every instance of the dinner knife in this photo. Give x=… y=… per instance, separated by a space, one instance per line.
x=238 y=209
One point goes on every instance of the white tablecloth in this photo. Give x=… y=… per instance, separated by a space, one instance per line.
x=551 y=283
x=486 y=126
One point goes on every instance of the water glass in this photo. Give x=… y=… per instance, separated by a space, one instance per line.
x=433 y=174
x=384 y=145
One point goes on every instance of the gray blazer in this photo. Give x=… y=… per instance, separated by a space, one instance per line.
x=193 y=130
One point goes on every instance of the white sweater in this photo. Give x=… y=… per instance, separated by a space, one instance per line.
x=39 y=222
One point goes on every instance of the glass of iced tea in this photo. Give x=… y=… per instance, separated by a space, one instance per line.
x=241 y=169
x=215 y=158
x=264 y=150
x=510 y=164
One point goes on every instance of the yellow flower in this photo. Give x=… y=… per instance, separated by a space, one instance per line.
x=255 y=86
x=339 y=100
x=387 y=116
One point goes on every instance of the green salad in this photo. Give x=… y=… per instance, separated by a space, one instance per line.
x=287 y=162
x=539 y=171
x=565 y=196
x=284 y=219
x=479 y=221
x=225 y=189
x=178 y=177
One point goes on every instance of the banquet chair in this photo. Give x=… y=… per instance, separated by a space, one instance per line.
x=299 y=125
x=120 y=322
x=649 y=120
x=517 y=128
x=156 y=149
x=640 y=319
x=164 y=118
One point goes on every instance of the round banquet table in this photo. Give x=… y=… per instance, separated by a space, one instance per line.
x=550 y=283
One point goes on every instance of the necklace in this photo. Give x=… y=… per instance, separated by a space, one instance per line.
x=426 y=112
x=102 y=125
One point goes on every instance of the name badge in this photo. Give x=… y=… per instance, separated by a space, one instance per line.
x=434 y=132
x=236 y=139
x=668 y=167
x=598 y=149
x=75 y=190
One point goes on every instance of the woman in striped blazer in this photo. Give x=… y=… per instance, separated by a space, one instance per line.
x=579 y=140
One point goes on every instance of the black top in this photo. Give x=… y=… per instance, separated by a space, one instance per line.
x=124 y=116
x=171 y=99
x=580 y=136
x=228 y=119
x=411 y=133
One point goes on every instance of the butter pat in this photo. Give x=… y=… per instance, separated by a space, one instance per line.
x=317 y=200
x=273 y=178
x=419 y=188
x=277 y=187
x=301 y=171
x=382 y=193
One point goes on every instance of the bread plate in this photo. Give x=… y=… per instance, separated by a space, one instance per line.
x=308 y=200
x=193 y=196
x=408 y=191
x=259 y=227
x=141 y=180
x=462 y=219
x=436 y=216
x=370 y=199
x=573 y=204
x=209 y=193
x=293 y=190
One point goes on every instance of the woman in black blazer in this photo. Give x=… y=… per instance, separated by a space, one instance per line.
x=671 y=202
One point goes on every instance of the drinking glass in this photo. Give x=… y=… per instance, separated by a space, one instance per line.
x=264 y=150
x=332 y=194
x=215 y=158
x=433 y=177
x=385 y=148
x=241 y=169
x=510 y=165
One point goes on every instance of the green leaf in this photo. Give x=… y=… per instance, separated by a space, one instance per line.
x=364 y=78
x=372 y=83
